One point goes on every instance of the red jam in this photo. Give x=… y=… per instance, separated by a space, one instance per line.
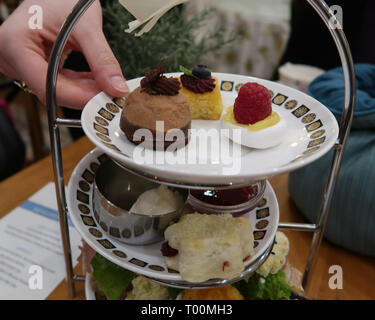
x=167 y=250
x=225 y=264
x=229 y=197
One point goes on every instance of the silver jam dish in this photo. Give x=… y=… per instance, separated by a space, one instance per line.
x=115 y=192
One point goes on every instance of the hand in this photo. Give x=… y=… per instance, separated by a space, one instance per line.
x=24 y=53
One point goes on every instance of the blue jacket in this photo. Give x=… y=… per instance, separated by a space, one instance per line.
x=351 y=221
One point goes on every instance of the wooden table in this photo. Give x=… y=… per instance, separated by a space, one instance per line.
x=358 y=271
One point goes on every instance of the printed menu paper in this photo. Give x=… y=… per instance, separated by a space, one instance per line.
x=32 y=263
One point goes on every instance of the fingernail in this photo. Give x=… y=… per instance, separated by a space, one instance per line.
x=119 y=84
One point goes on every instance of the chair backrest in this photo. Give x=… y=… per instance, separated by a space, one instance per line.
x=12 y=148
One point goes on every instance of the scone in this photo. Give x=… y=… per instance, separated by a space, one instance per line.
x=202 y=92
x=205 y=246
x=156 y=114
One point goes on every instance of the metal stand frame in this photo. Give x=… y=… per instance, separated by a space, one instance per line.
x=54 y=123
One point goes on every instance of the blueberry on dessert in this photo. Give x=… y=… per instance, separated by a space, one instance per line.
x=202 y=72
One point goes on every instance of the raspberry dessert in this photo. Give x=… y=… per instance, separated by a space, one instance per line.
x=260 y=127
x=253 y=103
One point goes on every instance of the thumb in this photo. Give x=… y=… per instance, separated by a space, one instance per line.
x=103 y=64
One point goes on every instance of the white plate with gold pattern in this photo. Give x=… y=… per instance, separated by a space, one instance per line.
x=311 y=132
x=147 y=260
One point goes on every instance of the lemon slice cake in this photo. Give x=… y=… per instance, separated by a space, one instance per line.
x=202 y=91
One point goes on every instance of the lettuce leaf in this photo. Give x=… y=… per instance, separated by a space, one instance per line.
x=273 y=287
x=174 y=292
x=188 y=72
x=110 y=278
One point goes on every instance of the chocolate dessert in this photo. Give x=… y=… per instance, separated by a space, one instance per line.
x=158 y=107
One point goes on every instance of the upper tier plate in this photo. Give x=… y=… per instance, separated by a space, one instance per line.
x=311 y=132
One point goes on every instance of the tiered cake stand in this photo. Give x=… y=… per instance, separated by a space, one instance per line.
x=314 y=132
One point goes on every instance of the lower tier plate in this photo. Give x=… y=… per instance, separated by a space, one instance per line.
x=91 y=294
x=147 y=260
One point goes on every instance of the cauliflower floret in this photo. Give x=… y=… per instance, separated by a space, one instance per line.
x=277 y=258
x=144 y=289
